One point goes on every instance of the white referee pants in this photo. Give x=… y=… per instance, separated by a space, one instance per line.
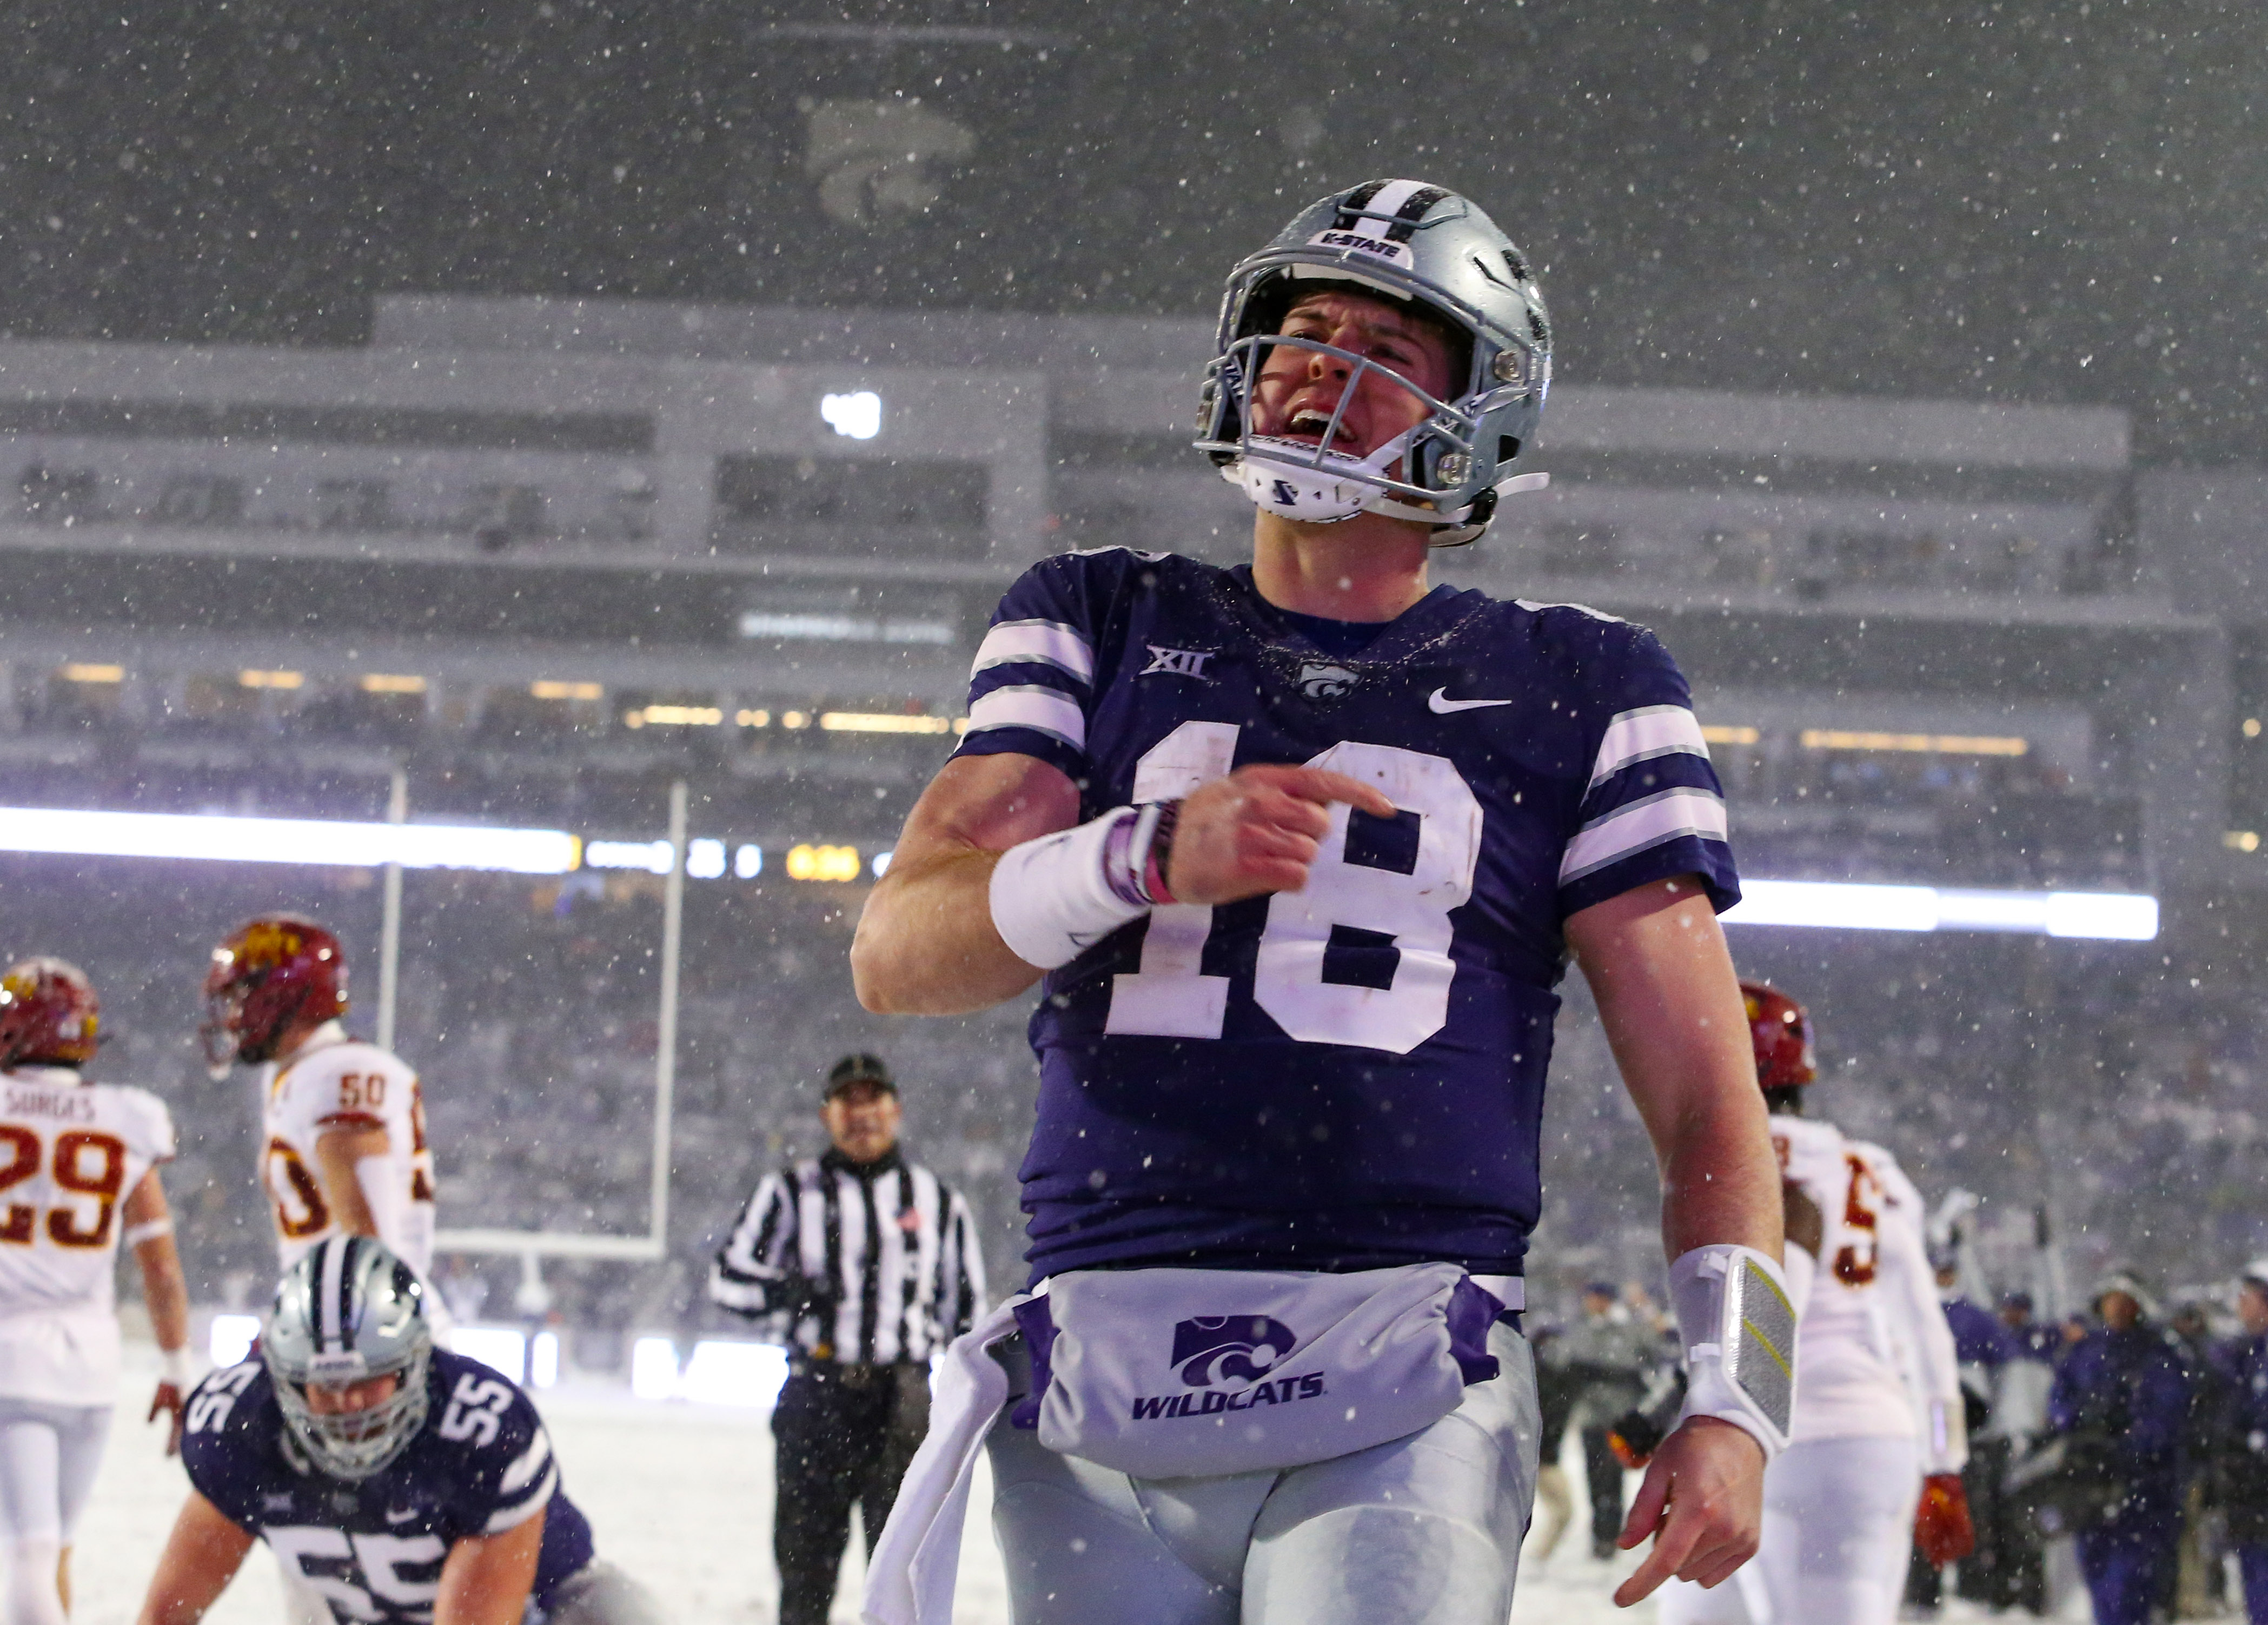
x=1420 y=1530
x=48 y=1457
x=1838 y=1525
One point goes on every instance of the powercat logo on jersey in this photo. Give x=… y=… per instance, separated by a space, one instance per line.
x=1175 y=662
x=1357 y=242
x=1231 y=1348
x=1326 y=682
x=1239 y=1347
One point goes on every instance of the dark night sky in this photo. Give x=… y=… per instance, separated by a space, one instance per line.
x=2031 y=199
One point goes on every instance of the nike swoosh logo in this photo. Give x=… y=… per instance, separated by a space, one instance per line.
x=1441 y=705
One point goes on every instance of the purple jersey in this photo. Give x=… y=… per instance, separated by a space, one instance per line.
x=1348 y=1077
x=373 y=1549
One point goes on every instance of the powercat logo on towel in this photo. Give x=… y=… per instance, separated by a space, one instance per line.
x=1210 y=1349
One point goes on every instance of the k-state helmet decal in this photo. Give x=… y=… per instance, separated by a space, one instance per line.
x=1230 y=1348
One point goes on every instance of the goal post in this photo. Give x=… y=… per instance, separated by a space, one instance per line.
x=654 y=1244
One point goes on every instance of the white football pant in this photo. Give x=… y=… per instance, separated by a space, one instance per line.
x=48 y=1456
x=1420 y=1530
x=1838 y=1527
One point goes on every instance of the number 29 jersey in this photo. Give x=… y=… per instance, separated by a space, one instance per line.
x=1349 y=1076
x=73 y=1152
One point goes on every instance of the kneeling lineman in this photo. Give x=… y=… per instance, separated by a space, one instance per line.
x=77 y=1154
x=398 y=1481
x=1874 y=1366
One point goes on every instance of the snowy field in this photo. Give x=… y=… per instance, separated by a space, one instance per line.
x=681 y=1497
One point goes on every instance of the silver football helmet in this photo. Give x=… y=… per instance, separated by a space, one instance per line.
x=1409 y=241
x=349 y=1312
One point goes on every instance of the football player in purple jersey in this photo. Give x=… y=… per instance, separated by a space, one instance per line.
x=1302 y=848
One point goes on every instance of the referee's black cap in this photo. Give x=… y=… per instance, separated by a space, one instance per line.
x=860 y=1067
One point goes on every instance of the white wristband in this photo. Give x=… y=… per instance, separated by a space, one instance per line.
x=1052 y=898
x=173 y=1367
x=135 y=1235
x=1738 y=1322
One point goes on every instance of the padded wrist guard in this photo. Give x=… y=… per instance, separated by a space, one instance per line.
x=1055 y=897
x=1738 y=1325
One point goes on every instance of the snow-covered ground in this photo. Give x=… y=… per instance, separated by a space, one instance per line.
x=681 y=1497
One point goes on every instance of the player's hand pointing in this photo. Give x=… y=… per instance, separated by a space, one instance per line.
x=1257 y=831
x=1703 y=1502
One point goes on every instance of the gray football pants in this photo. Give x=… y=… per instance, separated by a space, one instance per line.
x=601 y=1594
x=1420 y=1530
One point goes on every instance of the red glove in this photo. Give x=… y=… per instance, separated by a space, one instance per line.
x=1941 y=1525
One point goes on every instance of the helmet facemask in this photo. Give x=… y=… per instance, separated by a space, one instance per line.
x=1414 y=249
x=354 y=1444
x=349 y=1313
x=1318 y=485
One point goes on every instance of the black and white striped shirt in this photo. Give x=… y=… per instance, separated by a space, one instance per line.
x=861 y=1263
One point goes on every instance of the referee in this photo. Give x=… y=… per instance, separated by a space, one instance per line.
x=863 y=1264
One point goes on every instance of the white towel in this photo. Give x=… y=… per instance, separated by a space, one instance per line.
x=917 y=1561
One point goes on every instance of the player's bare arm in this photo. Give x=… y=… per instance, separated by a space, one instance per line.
x=1656 y=962
x=338 y=1151
x=200 y=1557
x=486 y=1579
x=927 y=944
x=1800 y=1218
x=150 y=1227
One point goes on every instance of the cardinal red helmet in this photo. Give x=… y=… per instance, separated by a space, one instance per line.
x=48 y=1014
x=1781 y=1032
x=269 y=973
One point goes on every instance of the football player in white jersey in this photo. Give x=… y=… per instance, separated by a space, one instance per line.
x=81 y=1172
x=1878 y=1408
x=343 y=1149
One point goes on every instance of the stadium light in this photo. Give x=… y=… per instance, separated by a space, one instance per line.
x=2101 y=917
x=748 y=861
x=499 y=1348
x=80 y=834
x=229 y=1341
x=704 y=859
x=653 y=1368
x=882 y=722
x=654 y=857
x=730 y=1371
x=857 y=415
x=811 y=861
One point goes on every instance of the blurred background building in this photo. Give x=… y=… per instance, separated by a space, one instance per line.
x=542 y=409
x=544 y=559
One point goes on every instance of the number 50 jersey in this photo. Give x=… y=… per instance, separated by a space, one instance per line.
x=333 y=1083
x=1349 y=1076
